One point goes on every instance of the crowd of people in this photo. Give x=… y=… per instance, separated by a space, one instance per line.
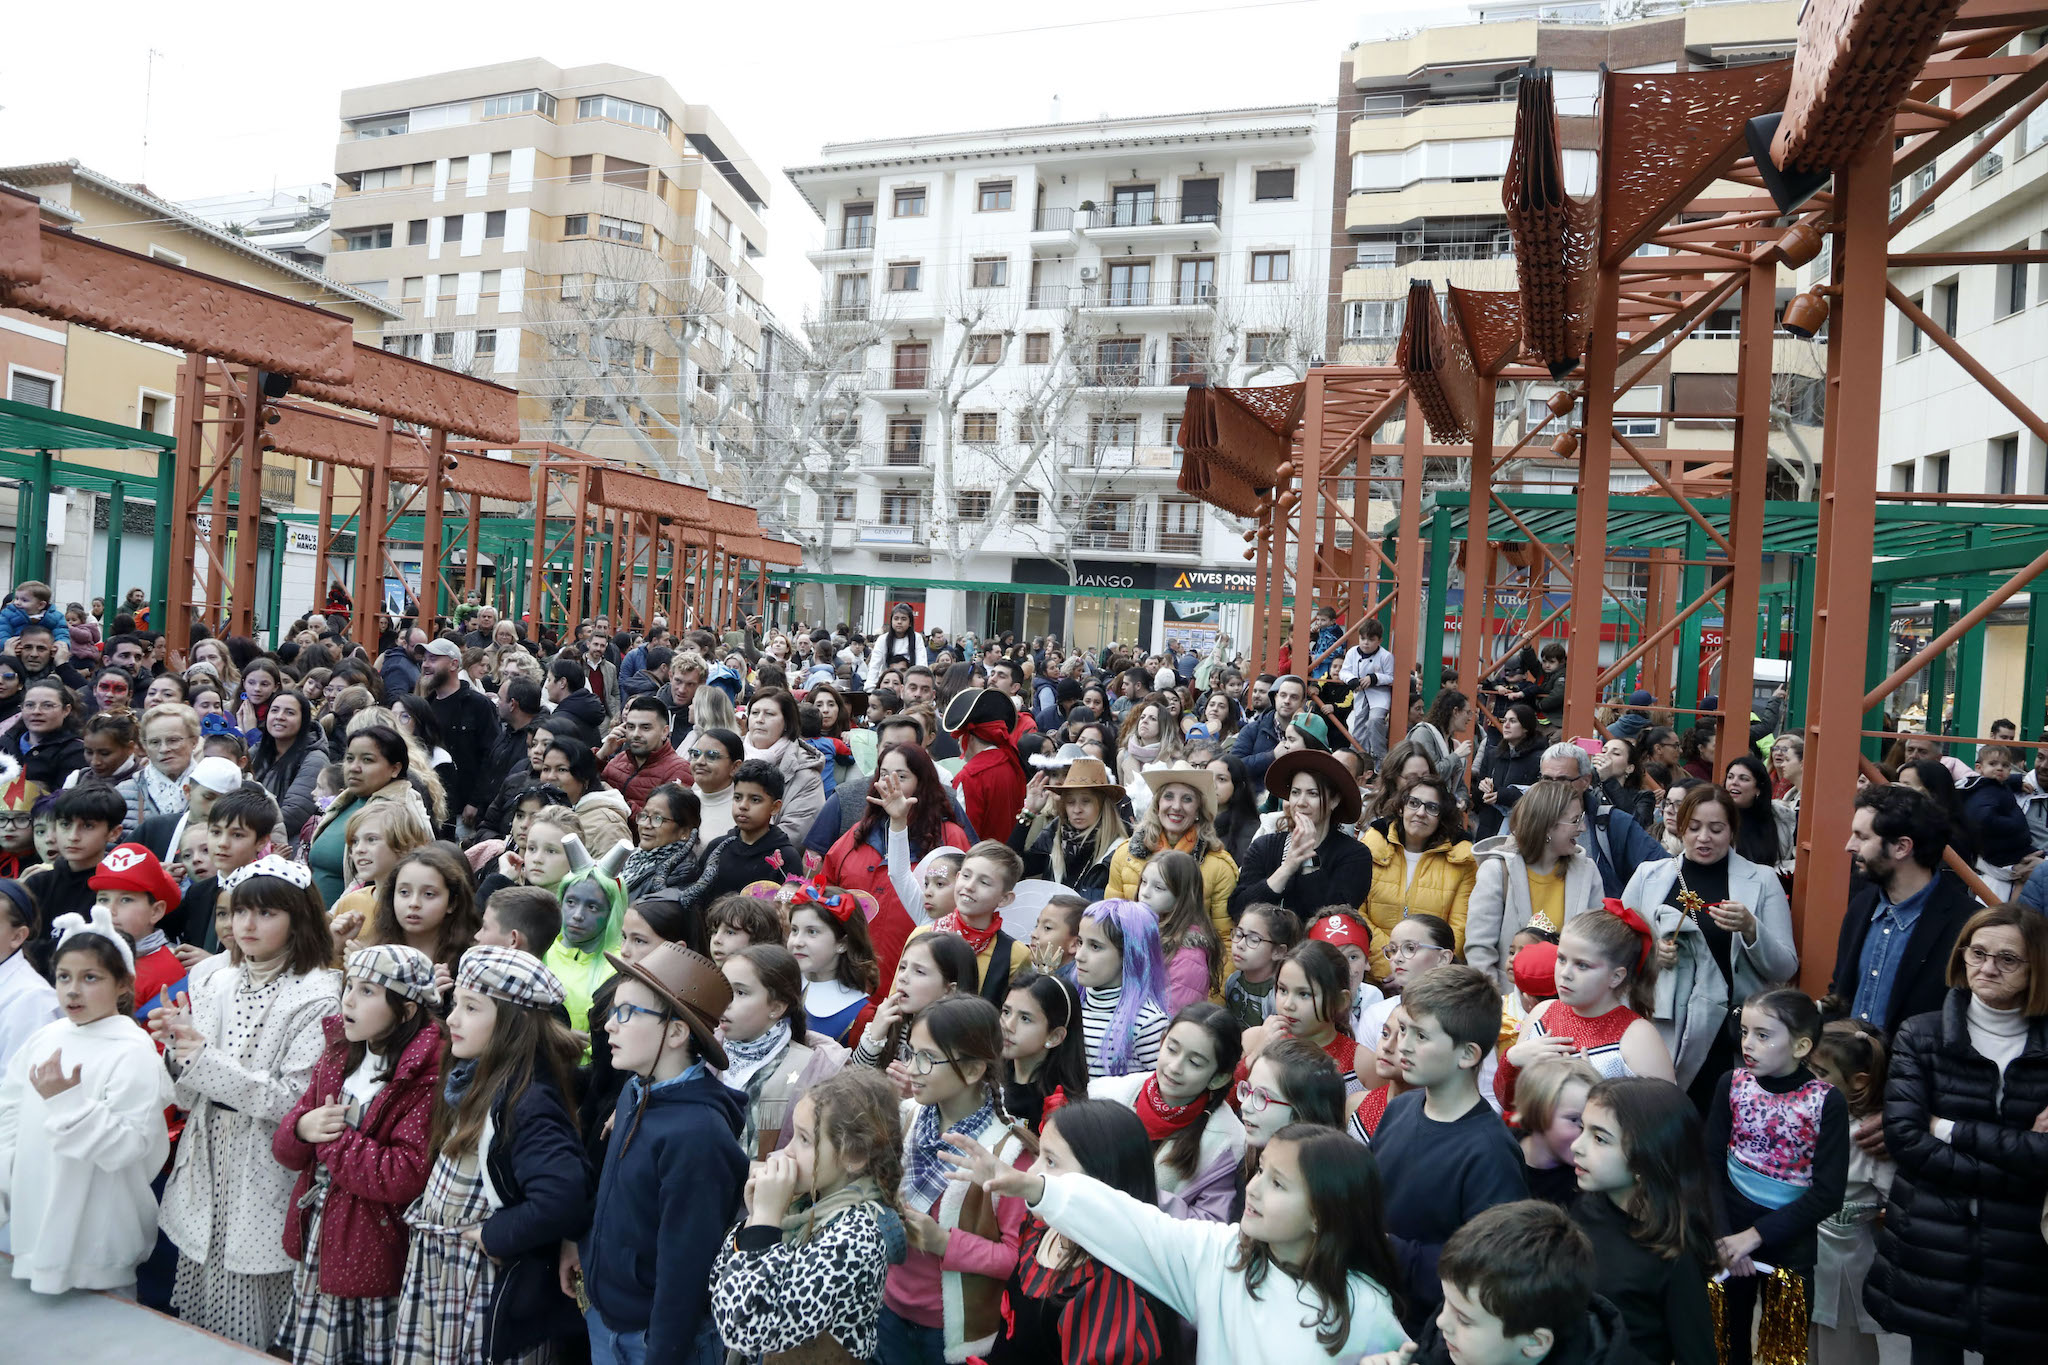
x=672 y=995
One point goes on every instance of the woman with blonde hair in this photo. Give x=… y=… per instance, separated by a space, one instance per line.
x=712 y=709
x=1535 y=874
x=379 y=834
x=1070 y=829
x=1181 y=816
x=1150 y=735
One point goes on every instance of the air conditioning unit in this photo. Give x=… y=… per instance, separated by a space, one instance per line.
x=1089 y=274
x=1411 y=237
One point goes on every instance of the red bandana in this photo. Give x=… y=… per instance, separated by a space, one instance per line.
x=977 y=939
x=1163 y=1120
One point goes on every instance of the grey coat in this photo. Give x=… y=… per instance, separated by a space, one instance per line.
x=1500 y=905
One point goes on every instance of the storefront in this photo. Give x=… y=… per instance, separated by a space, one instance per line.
x=1139 y=605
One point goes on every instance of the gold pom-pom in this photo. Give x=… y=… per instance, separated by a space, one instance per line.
x=1717 y=1303
x=1782 y=1332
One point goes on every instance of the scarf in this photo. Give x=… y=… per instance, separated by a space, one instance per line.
x=457 y=1083
x=648 y=869
x=924 y=1175
x=752 y=1057
x=166 y=794
x=977 y=939
x=151 y=941
x=799 y=1225
x=1076 y=848
x=772 y=754
x=1144 y=753
x=1163 y=1120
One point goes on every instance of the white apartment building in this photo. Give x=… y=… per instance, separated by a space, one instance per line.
x=1032 y=302
x=291 y=222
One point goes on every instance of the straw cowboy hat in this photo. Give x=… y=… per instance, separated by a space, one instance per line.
x=691 y=985
x=1198 y=780
x=1349 y=803
x=1086 y=775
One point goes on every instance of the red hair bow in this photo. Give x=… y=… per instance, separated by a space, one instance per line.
x=832 y=901
x=1635 y=922
x=1053 y=1102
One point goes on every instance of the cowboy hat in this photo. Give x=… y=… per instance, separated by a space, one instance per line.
x=1281 y=774
x=975 y=705
x=1086 y=774
x=692 y=986
x=1200 y=780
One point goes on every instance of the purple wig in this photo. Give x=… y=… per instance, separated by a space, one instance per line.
x=1134 y=931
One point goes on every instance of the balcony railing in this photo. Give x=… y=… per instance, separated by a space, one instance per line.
x=1148 y=294
x=906 y=378
x=857 y=237
x=1151 y=212
x=1106 y=453
x=1180 y=542
x=893 y=533
x=892 y=457
x=856 y=311
x=1052 y=220
x=279 y=485
x=1135 y=374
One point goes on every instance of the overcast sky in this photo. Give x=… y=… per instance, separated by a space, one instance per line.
x=243 y=99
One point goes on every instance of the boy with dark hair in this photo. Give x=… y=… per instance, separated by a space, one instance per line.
x=754 y=849
x=528 y=918
x=239 y=830
x=88 y=819
x=1518 y=1289
x=1444 y=1154
x=739 y=921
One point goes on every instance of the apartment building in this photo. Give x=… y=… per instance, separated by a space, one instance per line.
x=1941 y=431
x=1030 y=304
x=1426 y=125
x=581 y=233
x=292 y=223
x=97 y=374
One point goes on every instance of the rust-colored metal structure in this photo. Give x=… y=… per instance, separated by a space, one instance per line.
x=1709 y=182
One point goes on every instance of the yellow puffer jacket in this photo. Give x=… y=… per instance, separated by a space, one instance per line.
x=1219 y=879
x=1441 y=886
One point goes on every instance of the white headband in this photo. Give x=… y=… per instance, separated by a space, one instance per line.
x=269 y=865
x=102 y=924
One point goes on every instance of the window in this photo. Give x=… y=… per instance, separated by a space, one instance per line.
x=1201 y=201
x=906 y=441
x=492 y=285
x=993 y=197
x=1038 y=348
x=1937 y=473
x=366 y=239
x=842 y=506
x=858 y=230
x=416 y=232
x=387 y=125
x=1189 y=357
x=974 y=504
x=629 y=175
x=414 y=289
x=501 y=165
x=986 y=349
x=991 y=272
x=1642 y=400
x=1377 y=320
x=487 y=341
x=978 y=428
x=1025 y=506
x=1945 y=299
x=1194 y=279
x=646 y=357
x=1909 y=335
x=715 y=278
x=1112 y=433
x=1988 y=165
x=2012 y=285
x=621 y=229
x=1264 y=348
x=36 y=390
x=913 y=365
x=621 y=111
x=910 y=203
x=1902 y=478
x=451 y=228
x=904 y=276
x=1180 y=526
x=850 y=298
x=572 y=288
x=2005 y=464
x=579 y=170
x=1118 y=360
x=1130 y=284
x=458 y=170
x=899 y=508
x=444 y=345
x=1131 y=206
x=576 y=225
x=385 y=178
x=1375 y=256
x=408 y=345
x=1270 y=185
x=525 y=102
x=494 y=225
x=1271 y=267
x=153 y=413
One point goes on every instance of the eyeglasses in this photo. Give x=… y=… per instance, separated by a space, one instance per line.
x=705 y=755
x=1248 y=938
x=2007 y=963
x=622 y=1013
x=1416 y=803
x=648 y=815
x=14 y=820
x=923 y=1063
x=1408 y=950
x=1259 y=1100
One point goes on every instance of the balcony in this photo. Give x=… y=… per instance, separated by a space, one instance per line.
x=848 y=314
x=1133 y=459
x=911 y=536
x=1156 y=373
x=888 y=460
x=280 y=485
x=1052 y=230
x=1159 y=296
x=899 y=379
x=1147 y=218
x=842 y=241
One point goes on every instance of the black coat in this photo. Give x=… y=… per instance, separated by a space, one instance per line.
x=1942 y=1271
x=1342 y=876
x=51 y=762
x=1920 y=983
x=1508 y=768
x=469 y=731
x=536 y=1164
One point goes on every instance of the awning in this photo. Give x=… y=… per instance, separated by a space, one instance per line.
x=23 y=426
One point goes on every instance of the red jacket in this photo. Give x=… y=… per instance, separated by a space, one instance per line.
x=991 y=788
x=859 y=866
x=377 y=1168
x=636 y=784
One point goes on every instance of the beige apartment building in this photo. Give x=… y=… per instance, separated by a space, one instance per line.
x=581 y=233
x=97 y=374
x=1425 y=125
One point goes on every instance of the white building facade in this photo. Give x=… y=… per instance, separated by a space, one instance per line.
x=1035 y=301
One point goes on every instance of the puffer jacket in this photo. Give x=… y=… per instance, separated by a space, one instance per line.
x=1442 y=886
x=606 y=819
x=1959 y=1255
x=803 y=789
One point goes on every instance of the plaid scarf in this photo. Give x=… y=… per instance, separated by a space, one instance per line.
x=924 y=1175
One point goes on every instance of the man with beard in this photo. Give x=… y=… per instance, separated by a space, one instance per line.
x=1891 y=960
x=40 y=658
x=637 y=755
x=469 y=727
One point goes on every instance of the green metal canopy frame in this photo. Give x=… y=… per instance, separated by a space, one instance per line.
x=1926 y=553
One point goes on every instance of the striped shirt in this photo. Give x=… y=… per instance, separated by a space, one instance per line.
x=1098 y=1008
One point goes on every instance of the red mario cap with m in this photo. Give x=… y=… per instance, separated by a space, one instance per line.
x=131 y=867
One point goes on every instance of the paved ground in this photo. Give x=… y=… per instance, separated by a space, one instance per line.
x=93 y=1329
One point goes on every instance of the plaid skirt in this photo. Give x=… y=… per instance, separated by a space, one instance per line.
x=326 y=1329
x=447 y=1294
